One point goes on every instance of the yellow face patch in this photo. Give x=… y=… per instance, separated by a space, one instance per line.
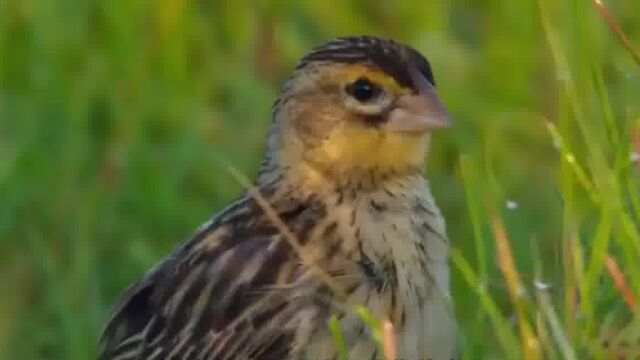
x=352 y=149
x=348 y=145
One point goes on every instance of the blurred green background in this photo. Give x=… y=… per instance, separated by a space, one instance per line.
x=116 y=118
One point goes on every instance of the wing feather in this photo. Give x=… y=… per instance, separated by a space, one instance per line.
x=221 y=295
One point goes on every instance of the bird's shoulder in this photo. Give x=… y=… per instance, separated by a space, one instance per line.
x=225 y=283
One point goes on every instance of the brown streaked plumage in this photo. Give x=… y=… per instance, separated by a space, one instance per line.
x=342 y=173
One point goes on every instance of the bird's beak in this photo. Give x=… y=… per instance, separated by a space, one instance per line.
x=419 y=112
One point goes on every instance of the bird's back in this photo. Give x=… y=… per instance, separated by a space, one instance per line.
x=234 y=291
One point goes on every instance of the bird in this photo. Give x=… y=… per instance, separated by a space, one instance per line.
x=340 y=217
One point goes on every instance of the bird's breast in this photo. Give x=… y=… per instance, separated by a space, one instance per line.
x=396 y=265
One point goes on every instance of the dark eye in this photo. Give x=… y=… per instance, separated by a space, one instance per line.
x=363 y=90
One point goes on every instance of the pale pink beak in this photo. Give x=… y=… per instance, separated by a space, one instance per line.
x=419 y=112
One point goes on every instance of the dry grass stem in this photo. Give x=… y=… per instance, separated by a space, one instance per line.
x=617 y=30
x=286 y=233
x=620 y=282
x=388 y=340
x=530 y=344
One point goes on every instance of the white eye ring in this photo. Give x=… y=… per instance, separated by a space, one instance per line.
x=366 y=98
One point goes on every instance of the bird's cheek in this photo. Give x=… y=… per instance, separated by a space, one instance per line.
x=403 y=149
x=349 y=145
x=373 y=148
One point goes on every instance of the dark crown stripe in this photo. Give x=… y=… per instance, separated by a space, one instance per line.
x=386 y=55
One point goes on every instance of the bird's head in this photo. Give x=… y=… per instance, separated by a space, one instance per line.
x=356 y=107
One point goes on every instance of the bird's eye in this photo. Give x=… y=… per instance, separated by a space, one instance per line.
x=363 y=90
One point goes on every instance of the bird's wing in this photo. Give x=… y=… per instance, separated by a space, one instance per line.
x=234 y=291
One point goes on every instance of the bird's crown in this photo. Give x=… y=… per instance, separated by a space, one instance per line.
x=385 y=55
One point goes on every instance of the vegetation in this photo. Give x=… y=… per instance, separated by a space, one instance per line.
x=117 y=120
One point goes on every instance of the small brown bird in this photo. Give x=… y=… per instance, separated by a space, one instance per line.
x=341 y=216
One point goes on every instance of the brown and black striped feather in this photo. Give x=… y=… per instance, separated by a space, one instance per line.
x=232 y=291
